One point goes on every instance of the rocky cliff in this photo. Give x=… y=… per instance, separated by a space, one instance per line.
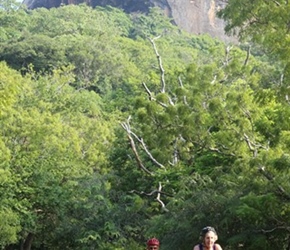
x=194 y=16
x=199 y=17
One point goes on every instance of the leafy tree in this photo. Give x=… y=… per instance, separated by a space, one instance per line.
x=264 y=23
x=49 y=134
x=208 y=137
x=125 y=127
x=10 y=225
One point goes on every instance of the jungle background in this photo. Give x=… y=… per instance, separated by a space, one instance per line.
x=118 y=127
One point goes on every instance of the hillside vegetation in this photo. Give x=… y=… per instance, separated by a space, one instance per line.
x=116 y=128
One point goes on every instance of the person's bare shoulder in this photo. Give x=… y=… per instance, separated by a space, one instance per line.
x=196 y=247
x=218 y=247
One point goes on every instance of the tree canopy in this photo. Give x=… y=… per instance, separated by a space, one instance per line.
x=118 y=127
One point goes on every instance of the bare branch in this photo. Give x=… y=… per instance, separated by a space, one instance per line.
x=159 y=192
x=220 y=152
x=151 y=98
x=130 y=133
x=180 y=82
x=253 y=146
x=126 y=127
x=148 y=91
x=175 y=153
x=147 y=151
x=159 y=200
x=281 y=79
x=184 y=97
x=227 y=59
x=249 y=143
x=151 y=193
x=162 y=71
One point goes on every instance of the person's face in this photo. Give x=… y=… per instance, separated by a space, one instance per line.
x=209 y=239
x=153 y=248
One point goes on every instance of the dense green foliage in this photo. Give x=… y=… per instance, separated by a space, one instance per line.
x=117 y=127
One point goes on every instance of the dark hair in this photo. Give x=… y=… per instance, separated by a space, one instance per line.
x=205 y=230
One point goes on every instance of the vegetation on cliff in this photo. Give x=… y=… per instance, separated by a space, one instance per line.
x=118 y=127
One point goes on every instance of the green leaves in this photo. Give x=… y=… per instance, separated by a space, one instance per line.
x=10 y=227
x=208 y=136
x=264 y=23
x=49 y=133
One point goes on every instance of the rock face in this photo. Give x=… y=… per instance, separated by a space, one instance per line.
x=194 y=16
x=199 y=17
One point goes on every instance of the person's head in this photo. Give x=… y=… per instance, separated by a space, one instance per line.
x=208 y=236
x=153 y=244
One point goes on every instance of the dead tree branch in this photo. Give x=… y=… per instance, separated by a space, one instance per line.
x=151 y=98
x=151 y=193
x=148 y=152
x=253 y=146
x=126 y=126
x=227 y=55
x=181 y=85
x=162 y=71
x=158 y=198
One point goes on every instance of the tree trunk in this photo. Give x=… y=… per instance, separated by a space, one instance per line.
x=26 y=245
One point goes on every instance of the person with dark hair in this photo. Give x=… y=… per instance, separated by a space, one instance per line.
x=208 y=237
x=153 y=244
